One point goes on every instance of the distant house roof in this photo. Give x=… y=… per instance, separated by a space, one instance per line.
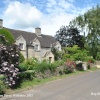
x=45 y=40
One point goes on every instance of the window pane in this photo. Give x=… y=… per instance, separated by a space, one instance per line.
x=36 y=47
x=21 y=45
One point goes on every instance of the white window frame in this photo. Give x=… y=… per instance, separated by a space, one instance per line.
x=37 y=47
x=21 y=46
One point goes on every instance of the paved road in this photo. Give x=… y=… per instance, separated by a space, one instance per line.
x=85 y=86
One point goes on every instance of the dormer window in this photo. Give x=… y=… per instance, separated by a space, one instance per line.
x=21 y=46
x=36 y=47
x=59 y=48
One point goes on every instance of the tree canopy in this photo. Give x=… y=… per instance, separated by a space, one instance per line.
x=8 y=36
x=69 y=36
x=89 y=24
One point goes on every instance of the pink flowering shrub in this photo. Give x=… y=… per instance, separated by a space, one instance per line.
x=69 y=66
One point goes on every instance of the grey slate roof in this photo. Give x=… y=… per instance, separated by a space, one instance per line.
x=45 y=40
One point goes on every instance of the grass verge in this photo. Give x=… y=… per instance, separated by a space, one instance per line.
x=25 y=85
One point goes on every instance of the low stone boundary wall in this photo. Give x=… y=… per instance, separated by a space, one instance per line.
x=98 y=64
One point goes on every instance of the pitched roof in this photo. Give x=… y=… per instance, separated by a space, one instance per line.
x=45 y=40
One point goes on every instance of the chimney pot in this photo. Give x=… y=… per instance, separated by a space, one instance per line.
x=38 y=31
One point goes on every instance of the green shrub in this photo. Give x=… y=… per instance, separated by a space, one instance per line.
x=59 y=63
x=75 y=53
x=90 y=59
x=33 y=64
x=98 y=56
x=28 y=64
x=21 y=59
x=9 y=37
x=57 y=54
x=1 y=77
x=22 y=67
x=27 y=75
x=42 y=67
x=56 y=64
x=2 y=87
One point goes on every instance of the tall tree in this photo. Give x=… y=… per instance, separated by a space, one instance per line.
x=89 y=24
x=69 y=36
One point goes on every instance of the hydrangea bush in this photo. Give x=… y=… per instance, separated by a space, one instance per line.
x=9 y=61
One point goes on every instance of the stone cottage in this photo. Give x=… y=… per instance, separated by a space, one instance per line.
x=34 y=44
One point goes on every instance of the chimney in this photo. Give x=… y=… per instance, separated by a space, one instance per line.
x=38 y=31
x=1 y=23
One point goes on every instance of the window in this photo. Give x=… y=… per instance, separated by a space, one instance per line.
x=58 y=48
x=21 y=46
x=50 y=59
x=37 y=47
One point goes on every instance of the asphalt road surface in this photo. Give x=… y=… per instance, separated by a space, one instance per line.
x=85 y=86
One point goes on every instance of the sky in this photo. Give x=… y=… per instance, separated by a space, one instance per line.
x=49 y=15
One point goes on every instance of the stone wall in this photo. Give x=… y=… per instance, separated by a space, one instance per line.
x=20 y=39
x=97 y=62
x=24 y=53
x=30 y=52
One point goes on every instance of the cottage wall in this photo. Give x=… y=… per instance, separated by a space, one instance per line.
x=40 y=54
x=30 y=52
x=19 y=40
x=24 y=53
x=58 y=46
x=49 y=57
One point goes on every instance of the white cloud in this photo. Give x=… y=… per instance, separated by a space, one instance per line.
x=53 y=24
x=51 y=3
x=25 y=16
x=22 y=15
x=57 y=16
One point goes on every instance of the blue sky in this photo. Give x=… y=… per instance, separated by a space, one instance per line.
x=49 y=15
